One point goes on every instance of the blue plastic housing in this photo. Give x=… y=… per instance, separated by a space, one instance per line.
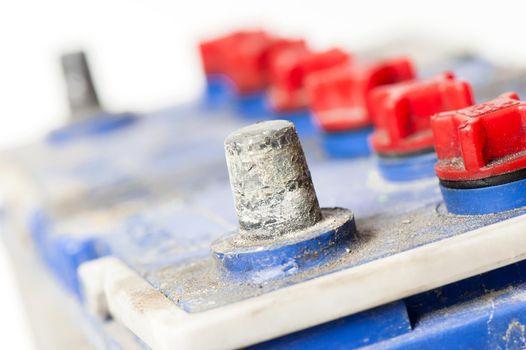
x=100 y=124
x=347 y=144
x=407 y=168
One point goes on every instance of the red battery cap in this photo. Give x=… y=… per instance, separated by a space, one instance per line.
x=214 y=52
x=339 y=97
x=244 y=57
x=244 y=64
x=402 y=112
x=290 y=69
x=481 y=141
x=248 y=65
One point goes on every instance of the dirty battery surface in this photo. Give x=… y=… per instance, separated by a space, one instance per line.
x=125 y=219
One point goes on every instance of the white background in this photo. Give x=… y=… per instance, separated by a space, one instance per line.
x=143 y=57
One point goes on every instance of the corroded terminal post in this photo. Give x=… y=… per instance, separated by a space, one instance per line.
x=281 y=223
x=82 y=96
x=87 y=117
x=270 y=180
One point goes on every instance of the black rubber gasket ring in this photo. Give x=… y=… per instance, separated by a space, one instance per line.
x=486 y=182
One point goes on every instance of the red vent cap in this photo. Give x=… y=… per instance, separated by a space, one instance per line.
x=484 y=140
x=402 y=112
x=339 y=98
x=289 y=72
